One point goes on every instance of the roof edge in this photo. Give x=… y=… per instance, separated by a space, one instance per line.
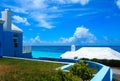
x=1 y=21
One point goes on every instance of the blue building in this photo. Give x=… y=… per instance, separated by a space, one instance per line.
x=11 y=36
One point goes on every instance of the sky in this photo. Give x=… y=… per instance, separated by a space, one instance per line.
x=66 y=22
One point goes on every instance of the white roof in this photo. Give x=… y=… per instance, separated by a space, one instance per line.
x=93 y=52
x=68 y=55
x=15 y=28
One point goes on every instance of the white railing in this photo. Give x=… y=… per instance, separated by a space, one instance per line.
x=27 y=49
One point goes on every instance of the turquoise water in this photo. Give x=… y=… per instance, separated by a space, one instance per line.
x=56 y=51
x=37 y=54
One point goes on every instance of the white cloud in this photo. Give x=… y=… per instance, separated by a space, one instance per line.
x=18 y=19
x=44 y=20
x=18 y=10
x=31 y=41
x=33 y=4
x=62 y=1
x=118 y=3
x=45 y=24
x=37 y=9
x=41 y=11
x=37 y=16
x=38 y=4
x=54 y=8
x=35 y=40
x=81 y=35
x=82 y=2
x=89 y=13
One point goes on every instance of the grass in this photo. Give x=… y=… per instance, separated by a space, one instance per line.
x=26 y=70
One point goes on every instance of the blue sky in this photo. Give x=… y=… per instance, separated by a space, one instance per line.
x=66 y=22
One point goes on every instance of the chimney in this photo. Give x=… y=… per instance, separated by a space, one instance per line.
x=73 y=48
x=6 y=16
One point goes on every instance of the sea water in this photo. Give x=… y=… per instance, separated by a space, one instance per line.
x=56 y=51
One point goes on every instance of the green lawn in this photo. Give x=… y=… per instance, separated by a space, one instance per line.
x=24 y=70
x=27 y=70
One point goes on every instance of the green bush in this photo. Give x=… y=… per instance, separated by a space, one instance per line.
x=66 y=76
x=81 y=70
x=112 y=63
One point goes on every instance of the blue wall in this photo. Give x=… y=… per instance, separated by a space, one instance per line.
x=20 y=45
x=1 y=41
x=8 y=44
x=104 y=72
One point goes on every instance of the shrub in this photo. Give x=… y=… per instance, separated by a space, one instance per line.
x=81 y=70
x=66 y=76
x=112 y=63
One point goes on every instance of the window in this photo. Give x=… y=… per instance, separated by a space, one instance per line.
x=15 y=45
x=15 y=39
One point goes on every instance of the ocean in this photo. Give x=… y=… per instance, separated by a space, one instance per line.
x=56 y=51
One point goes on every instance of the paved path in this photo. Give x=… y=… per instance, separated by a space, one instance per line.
x=116 y=73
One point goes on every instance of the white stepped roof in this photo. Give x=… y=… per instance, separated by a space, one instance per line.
x=93 y=52
x=15 y=28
